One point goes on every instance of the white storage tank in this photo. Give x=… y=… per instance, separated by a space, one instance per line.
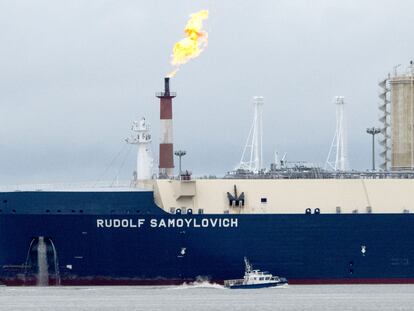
x=402 y=120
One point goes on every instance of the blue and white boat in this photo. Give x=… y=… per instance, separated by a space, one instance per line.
x=254 y=278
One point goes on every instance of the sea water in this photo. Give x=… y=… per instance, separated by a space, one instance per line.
x=206 y=296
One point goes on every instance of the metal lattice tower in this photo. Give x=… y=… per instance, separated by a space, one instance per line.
x=337 y=159
x=252 y=157
x=385 y=109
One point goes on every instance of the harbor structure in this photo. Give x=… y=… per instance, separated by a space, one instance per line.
x=402 y=120
x=385 y=128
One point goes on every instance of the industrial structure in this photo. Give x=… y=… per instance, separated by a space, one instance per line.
x=402 y=120
x=142 y=138
x=166 y=155
x=337 y=159
x=252 y=156
x=385 y=116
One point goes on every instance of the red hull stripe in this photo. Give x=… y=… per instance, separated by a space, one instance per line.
x=115 y=282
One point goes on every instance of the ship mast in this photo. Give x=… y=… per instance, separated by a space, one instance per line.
x=252 y=157
x=337 y=159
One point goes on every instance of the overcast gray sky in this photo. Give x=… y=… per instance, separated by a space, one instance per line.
x=75 y=74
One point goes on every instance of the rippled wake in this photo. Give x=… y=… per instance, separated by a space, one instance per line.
x=199 y=284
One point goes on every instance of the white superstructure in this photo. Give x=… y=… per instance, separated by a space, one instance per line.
x=142 y=138
x=287 y=196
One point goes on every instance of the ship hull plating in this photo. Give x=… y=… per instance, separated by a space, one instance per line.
x=150 y=247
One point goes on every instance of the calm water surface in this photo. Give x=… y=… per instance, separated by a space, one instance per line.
x=206 y=296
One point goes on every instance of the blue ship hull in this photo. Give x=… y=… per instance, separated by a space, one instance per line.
x=253 y=286
x=124 y=238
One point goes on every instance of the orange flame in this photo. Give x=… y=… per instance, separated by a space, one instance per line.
x=193 y=44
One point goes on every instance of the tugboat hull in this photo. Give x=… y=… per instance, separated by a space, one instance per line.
x=251 y=286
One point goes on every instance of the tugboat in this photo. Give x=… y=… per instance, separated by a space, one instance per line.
x=255 y=279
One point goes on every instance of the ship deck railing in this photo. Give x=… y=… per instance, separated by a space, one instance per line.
x=319 y=174
x=75 y=186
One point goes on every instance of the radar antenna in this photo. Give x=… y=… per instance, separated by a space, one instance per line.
x=248 y=266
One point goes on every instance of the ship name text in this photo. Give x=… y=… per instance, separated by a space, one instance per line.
x=167 y=223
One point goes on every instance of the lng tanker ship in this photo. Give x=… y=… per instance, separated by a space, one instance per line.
x=308 y=225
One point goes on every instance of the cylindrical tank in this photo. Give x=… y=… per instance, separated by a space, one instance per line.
x=402 y=121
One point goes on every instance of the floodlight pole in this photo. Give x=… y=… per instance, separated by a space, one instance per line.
x=180 y=154
x=373 y=131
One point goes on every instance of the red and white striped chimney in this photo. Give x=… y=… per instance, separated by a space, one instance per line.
x=166 y=163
